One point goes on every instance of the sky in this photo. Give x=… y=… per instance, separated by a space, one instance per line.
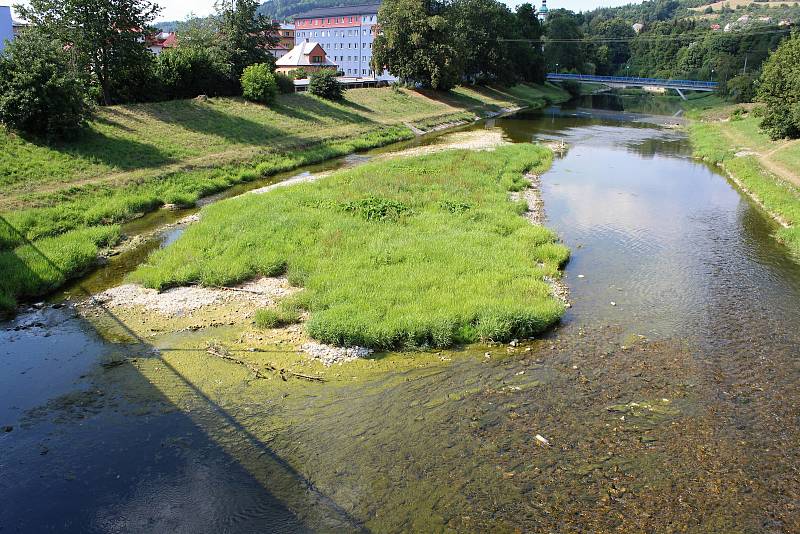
x=180 y=9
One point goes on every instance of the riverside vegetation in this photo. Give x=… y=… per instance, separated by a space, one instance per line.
x=62 y=203
x=770 y=170
x=425 y=251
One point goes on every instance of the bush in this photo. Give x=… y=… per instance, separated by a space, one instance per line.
x=324 y=84
x=41 y=93
x=572 y=87
x=188 y=72
x=259 y=84
x=741 y=88
x=271 y=318
x=779 y=90
x=285 y=83
x=299 y=74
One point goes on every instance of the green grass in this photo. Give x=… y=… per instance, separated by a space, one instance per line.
x=778 y=196
x=33 y=270
x=425 y=251
x=134 y=159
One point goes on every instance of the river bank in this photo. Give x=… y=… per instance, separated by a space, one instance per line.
x=205 y=147
x=767 y=171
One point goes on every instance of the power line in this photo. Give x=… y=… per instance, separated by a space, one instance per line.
x=640 y=39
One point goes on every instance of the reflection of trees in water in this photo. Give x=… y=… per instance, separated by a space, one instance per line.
x=648 y=148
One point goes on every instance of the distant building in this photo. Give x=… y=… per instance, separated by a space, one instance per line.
x=308 y=55
x=160 y=41
x=345 y=34
x=6 y=26
x=716 y=27
x=637 y=27
x=543 y=11
x=285 y=34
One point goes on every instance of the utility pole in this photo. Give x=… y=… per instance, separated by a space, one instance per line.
x=744 y=70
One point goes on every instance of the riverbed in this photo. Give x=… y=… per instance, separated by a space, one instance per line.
x=667 y=400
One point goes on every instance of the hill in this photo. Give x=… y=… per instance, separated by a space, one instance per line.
x=282 y=9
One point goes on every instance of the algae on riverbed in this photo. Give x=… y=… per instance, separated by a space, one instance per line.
x=412 y=252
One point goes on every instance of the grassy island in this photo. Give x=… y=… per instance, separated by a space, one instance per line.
x=421 y=251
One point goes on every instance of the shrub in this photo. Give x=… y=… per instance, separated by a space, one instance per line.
x=572 y=87
x=285 y=83
x=324 y=84
x=259 y=84
x=41 y=93
x=299 y=74
x=779 y=90
x=741 y=88
x=188 y=72
x=272 y=318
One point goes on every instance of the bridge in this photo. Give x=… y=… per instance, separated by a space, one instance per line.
x=626 y=81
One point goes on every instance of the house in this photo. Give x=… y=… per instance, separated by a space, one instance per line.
x=6 y=26
x=160 y=41
x=308 y=55
x=279 y=50
x=345 y=34
x=638 y=27
x=716 y=27
x=286 y=35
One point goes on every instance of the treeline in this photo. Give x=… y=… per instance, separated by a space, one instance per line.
x=601 y=42
x=441 y=44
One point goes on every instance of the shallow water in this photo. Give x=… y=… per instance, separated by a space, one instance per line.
x=702 y=338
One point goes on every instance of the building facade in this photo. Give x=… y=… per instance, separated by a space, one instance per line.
x=6 y=26
x=346 y=34
x=307 y=55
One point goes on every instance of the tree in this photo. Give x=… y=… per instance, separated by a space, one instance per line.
x=107 y=37
x=479 y=26
x=247 y=36
x=323 y=83
x=611 y=56
x=562 y=49
x=416 y=45
x=185 y=72
x=41 y=91
x=779 y=90
x=527 y=56
x=259 y=84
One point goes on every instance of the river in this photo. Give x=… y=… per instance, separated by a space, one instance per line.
x=667 y=400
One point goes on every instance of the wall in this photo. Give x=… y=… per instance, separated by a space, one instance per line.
x=6 y=26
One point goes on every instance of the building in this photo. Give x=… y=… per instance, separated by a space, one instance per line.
x=543 y=11
x=308 y=55
x=160 y=41
x=346 y=34
x=6 y=26
x=285 y=34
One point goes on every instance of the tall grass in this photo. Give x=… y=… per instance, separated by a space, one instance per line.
x=404 y=253
x=778 y=196
x=35 y=269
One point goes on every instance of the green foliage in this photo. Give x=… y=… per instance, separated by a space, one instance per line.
x=779 y=90
x=417 y=45
x=33 y=270
x=259 y=84
x=41 y=93
x=323 y=83
x=285 y=83
x=405 y=272
x=247 y=35
x=741 y=88
x=188 y=71
x=275 y=318
x=106 y=36
x=299 y=74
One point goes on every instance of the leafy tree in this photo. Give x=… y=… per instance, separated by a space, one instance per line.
x=247 y=36
x=107 y=37
x=185 y=72
x=742 y=88
x=527 y=55
x=323 y=83
x=416 y=45
x=259 y=84
x=479 y=26
x=562 y=50
x=285 y=83
x=610 y=57
x=41 y=91
x=779 y=90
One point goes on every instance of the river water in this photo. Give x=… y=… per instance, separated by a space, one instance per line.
x=666 y=401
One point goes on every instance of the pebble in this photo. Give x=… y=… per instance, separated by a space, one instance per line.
x=541 y=439
x=613 y=303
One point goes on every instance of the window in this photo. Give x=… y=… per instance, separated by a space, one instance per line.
x=351 y=19
x=316 y=59
x=329 y=21
x=363 y=71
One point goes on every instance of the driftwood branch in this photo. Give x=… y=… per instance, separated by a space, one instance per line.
x=222 y=352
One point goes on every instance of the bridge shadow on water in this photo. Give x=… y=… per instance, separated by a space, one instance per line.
x=113 y=451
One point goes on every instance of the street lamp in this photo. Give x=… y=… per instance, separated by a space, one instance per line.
x=556 y=68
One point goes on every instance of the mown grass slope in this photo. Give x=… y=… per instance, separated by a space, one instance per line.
x=136 y=158
x=425 y=251
x=768 y=169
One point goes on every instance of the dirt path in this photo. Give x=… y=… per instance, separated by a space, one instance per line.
x=765 y=157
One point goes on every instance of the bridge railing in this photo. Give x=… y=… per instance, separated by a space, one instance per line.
x=634 y=80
